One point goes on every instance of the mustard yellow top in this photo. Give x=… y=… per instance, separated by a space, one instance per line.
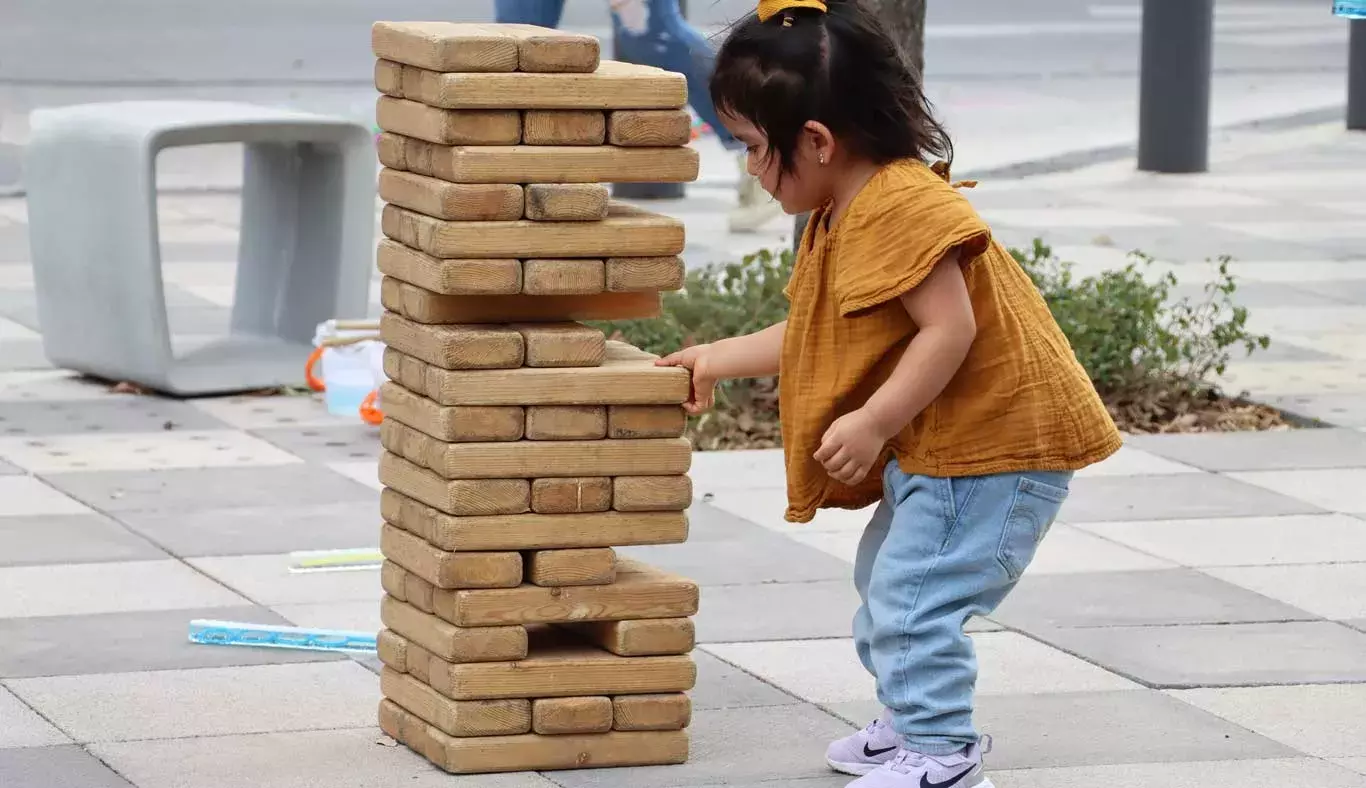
x=1020 y=401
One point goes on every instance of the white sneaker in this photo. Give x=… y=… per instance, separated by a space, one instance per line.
x=757 y=207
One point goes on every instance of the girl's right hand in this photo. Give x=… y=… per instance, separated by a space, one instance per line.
x=697 y=360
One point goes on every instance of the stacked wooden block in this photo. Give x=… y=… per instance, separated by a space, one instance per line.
x=522 y=446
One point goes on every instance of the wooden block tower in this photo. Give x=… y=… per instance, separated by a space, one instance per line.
x=521 y=446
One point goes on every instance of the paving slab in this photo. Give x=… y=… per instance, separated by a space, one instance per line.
x=358 y=616
x=1341 y=409
x=1171 y=497
x=1239 y=541
x=56 y=767
x=1328 y=721
x=1292 y=652
x=1220 y=774
x=218 y=488
x=167 y=704
x=1334 y=489
x=1131 y=460
x=129 y=642
x=1336 y=591
x=28 y=496
x=721 y=685
x=266 y=580
x=1357 y=765
x=340 y=443
x=21 y=726
x=111 y=415
x=84 y=589
x=142 y=451
x=733 y=746
x=1112 y=599
x=70 y=539
x=251 y=530
x=253 y=412
x=1261 y=451
x=354 y=758
x=9 y=470
x=776 y=611
x=1068 y=550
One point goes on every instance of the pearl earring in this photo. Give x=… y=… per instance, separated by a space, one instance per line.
x=820 y=159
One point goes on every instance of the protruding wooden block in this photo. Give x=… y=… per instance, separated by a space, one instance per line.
x=424 y=306
x=592 y=566
x=478 y=202
x=640 y=637
x=392 y=650
x=456 y=423
x=459 y=717
x=448 y=126
x=564 y=669
x=628 y=422
x=461 y=497
x=389 y=81
x=571 y=496
x=565 y=344
x=563 y=277
x=651 y=493
x=465 y=47
x=588 y=714
x=614 y=85
x=626 y=377
x=566 y=202
x=453 y=643
x=638 y=592
x=563 y=127
x=664 y=712
x=532 y=752
x=634 y=274
x=532 y=531
x=566 y=422
x=391 y=577
x=539 y=163
x=445 y=569
x=448 y=277
x=538 y=459
x=625 y=231
x=486 y=346
x=649 y=128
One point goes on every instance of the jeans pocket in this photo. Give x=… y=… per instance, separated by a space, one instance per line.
x=1035 y=506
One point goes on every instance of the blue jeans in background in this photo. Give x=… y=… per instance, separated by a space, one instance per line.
x=666 y=41
x=937 y=552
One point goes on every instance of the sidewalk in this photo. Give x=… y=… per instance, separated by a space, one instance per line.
x=1198 y=618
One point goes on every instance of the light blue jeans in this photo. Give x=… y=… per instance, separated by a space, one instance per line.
x=665 y=40
x=937 y=552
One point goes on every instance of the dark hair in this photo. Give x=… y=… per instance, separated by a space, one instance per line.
x=838 y=67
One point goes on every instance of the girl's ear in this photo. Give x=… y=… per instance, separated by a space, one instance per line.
x=819 y=141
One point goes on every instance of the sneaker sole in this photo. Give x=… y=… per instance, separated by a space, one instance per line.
x=858 y=769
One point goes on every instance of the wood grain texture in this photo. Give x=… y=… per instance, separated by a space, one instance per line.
x=634 y=274
x=591 y=566
x=639 y=637
x=625 y=231
x=566 y=202
x=573 y=495
x=563 y=277
x=628 y=422
x=486 y=346
x=566 y=422
x=651 y=493
x=451 y=643
x=391 y=580
x=562 y=127
x=614 y=85
x=448 y=277
x=531 y=531
x=526 y=164
x=588 y=714
x=448 y=126
x=455 y=423
x=473 y=202
x=392 y=650
x=445 y=569
x=461 y=497
x=663 y=712
x=468 y=47
x=567 y=344
x=424 y=306
x=459 y=717
x=649 y=128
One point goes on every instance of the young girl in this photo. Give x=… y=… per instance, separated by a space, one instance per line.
x=918 y=367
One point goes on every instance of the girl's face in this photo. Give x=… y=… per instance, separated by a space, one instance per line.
x=808 y=186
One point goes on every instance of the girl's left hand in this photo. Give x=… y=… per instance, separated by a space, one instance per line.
x=851 y=446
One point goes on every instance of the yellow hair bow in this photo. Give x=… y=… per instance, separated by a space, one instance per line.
x=767 y=8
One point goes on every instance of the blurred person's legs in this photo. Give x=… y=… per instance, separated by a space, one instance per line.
x=545 y=13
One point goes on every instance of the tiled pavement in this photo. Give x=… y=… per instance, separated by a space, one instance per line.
x=1198 y=618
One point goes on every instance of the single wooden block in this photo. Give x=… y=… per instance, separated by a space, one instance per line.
x=625 y=231
x=419 y=663
x=448 y=126
x=392 y=650
x=449 y=277
x=537 y=459
x=532 y=531
x=664 y=712
x=563 y=277
x=624 y=378
x=588 y=714
x=445 y=569
x=590 y=566
x=628 y=422
x=453 y=643
x=566 y=202
x=423 y=306
x=567 y=344
x=614 y=85
x=651 y=493
x=459 y=717
x=640 y=637
x=457 y=423
x=533 y=752
x=480 y=202
x=391 y=580
x=571 y=496
x=476 y=346
x=638 y=592
x=539 y=163
x=566 y=422
x=462 y=497
x=649 y=127
x=563 y=127
x=389 y=80
x=453 y=46
x=419 y=593
x=634 y=274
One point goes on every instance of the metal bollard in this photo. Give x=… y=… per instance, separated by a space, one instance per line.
x=1174 y=85
x=1356 y=76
